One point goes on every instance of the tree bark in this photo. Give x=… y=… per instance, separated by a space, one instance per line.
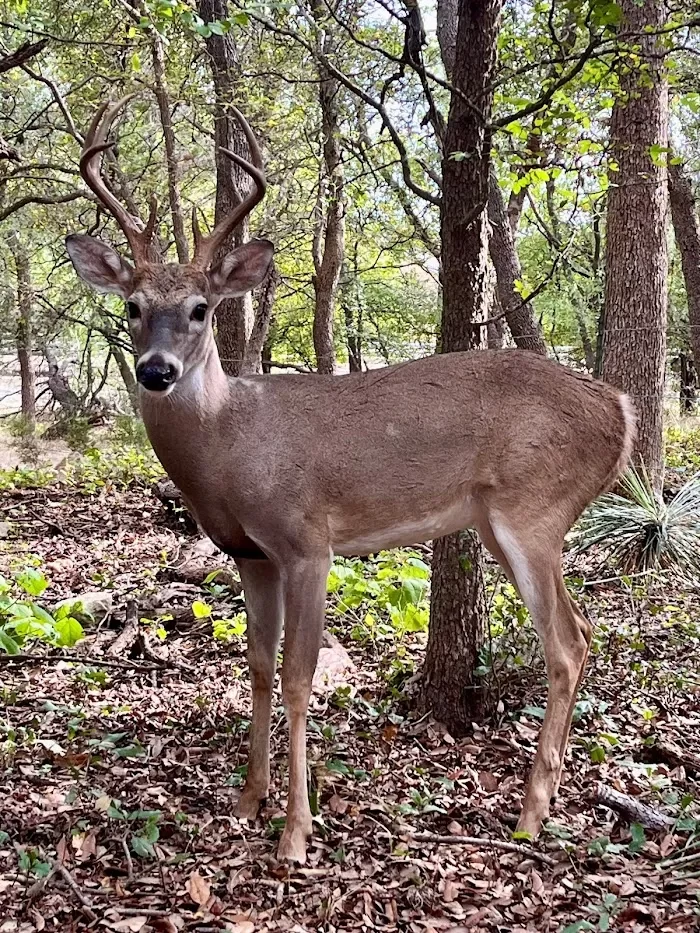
x=634 y=338
x=252 y=357
x=161 y=91
x=328 y=259
x=234 y=316
x=686 y=226
x=525 y=329
x=458 y=612
x=23 y=333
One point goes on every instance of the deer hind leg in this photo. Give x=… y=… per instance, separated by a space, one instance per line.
x=304 y=612
x=565 y=636
x=263 y=598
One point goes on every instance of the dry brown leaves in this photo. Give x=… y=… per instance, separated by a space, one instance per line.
x=131 y=785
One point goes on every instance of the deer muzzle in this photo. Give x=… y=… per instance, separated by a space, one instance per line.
x=158 y=372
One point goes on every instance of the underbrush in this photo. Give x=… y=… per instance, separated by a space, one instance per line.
x=123 y=459
x=24 y=620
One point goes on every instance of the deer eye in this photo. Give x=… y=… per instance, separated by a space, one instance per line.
x=199 y=312
x=133 y=310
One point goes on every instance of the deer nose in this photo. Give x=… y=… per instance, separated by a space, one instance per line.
x=156 y=374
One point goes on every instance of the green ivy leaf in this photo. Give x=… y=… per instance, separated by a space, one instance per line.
x=69 y=631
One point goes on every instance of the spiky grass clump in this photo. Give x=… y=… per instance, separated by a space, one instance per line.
x=643 y=533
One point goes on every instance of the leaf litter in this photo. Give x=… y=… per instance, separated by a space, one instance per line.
x=119 y=784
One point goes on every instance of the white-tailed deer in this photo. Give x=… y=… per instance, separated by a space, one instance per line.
x=282 y=472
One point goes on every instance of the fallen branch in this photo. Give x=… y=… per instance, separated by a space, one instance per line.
x=673 y=756
x=128 y=637
x=76 y=889
x=482 y=842
x=58 y=868
x=90 y=660
x=630 y=807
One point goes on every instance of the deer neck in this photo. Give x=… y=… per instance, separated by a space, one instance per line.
x=181 y=425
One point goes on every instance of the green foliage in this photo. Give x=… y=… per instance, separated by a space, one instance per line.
x=683 y=448
x=23 y=620
x=385 y=596
x=26 y=478
x=113 y=467
x=228 y=629
x=642 y=532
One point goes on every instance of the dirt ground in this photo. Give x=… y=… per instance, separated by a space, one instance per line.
x=118 y=783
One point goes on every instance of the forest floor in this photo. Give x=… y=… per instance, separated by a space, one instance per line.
x=118 y=783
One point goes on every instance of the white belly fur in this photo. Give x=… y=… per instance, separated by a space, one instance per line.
x=403 y=533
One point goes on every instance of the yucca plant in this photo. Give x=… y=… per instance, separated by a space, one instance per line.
x=642 y=532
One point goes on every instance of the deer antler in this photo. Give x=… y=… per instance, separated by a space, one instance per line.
x=206 y=246
x=143 y=249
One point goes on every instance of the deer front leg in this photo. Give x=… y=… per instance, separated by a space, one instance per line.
x=304 y=608
x=263 y=598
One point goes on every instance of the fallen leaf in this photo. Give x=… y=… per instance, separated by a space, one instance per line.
x=488 y=781
x=198 y=889
x=390 y=732
x=128 y=924
x=337 y=805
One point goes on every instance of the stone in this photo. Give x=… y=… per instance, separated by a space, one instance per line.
x=96 y=605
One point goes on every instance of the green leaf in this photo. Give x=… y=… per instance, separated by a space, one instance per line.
x=536 y=711
x=135 y=62
x=32 y=581
x=142 y=847
x=8 y=643
x=130 y=751
x=69 y=631
x=638 y=838
x=200 y=609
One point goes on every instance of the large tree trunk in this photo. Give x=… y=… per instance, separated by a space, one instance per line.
x=634 y=338
x=234 y=316
x=525 y=329
x=686 y=226
x=252 y=358
x=23 y=333
x=330 y=241
x=458 y=612
x=166 y=119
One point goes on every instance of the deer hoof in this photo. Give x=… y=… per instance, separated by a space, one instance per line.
x=292 y=847
x=248 y=805
x=529 y=823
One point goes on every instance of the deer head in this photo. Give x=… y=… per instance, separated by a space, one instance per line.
x=170 y=306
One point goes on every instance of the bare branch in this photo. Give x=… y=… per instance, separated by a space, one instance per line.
x=22 y=54
x=41 y=199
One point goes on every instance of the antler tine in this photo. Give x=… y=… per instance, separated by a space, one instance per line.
x=140 y=240
x=206 y=246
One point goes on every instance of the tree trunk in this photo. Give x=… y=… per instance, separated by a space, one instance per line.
x=127 y=374
x=458 y=612
x=526 y=331
x=252 y=358
x=686 y=226
x=23 y=333
x=161 y=91
x=328 y=257
x=634 y=338
x=234 y=316
x=689 y=384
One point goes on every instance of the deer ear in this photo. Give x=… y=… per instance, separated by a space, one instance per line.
x=99 y=265
x=241 y=269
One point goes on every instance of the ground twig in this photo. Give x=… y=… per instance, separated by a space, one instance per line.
x=483 y=843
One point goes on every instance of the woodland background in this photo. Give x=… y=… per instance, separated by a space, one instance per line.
x=442 y=177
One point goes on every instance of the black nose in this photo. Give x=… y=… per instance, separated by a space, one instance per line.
x=155 y=374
